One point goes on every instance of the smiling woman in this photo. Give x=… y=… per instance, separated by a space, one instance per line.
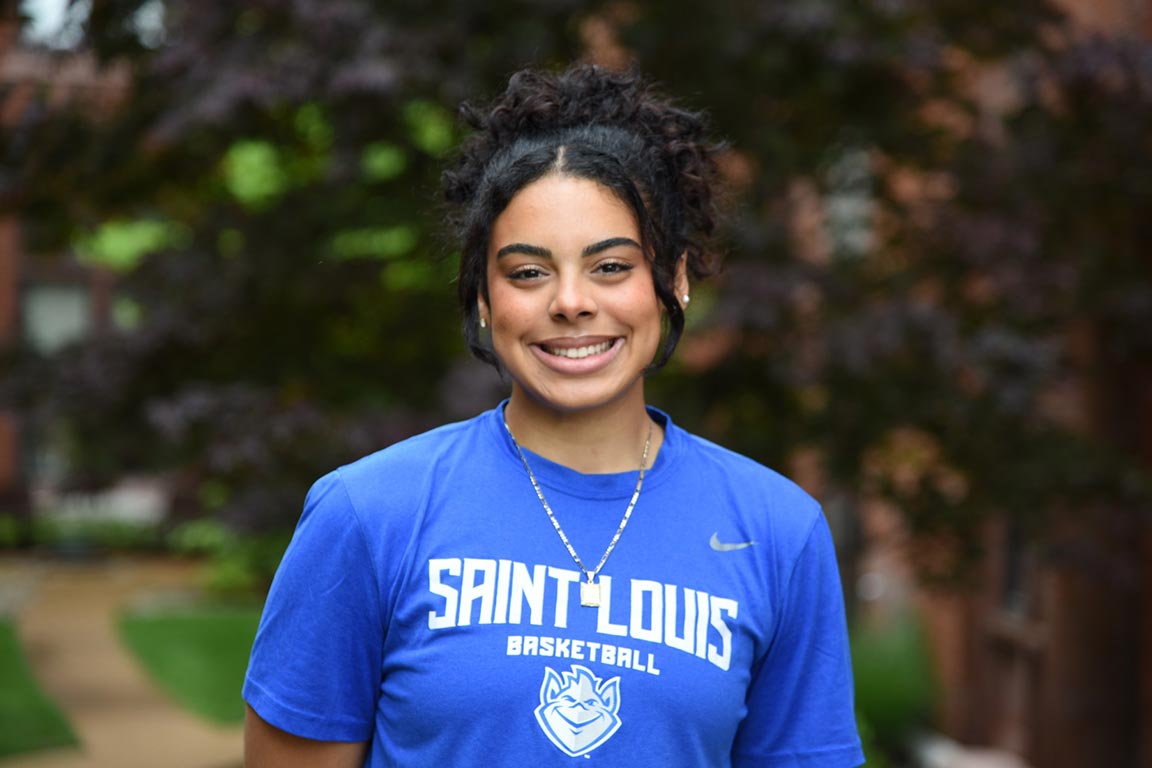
x=573 y=310
x=568 y=574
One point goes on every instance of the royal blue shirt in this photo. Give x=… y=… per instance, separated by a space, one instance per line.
x=427 y=605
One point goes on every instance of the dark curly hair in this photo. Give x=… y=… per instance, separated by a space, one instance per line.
x=591 y=123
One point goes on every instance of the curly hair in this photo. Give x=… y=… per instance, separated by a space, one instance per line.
x=591 y=123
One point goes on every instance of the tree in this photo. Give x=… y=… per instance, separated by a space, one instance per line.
x=268 y=189
x=906 y=262
x=914 y=250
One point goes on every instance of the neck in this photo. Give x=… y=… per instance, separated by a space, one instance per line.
x=609 y=440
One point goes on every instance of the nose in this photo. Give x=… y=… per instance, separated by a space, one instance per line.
x=572 y=299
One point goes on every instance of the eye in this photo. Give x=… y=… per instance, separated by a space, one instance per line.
x=526 y=273
x=613 y=267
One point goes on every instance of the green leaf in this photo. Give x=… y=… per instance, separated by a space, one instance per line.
x=214 y=494
x=429 y=126
x=375 y=242
x=313 y=127
x=412 y=276
x=254 y=173
x=127 y=314
x=119 y=245
x=230 y=242
x=381 y=161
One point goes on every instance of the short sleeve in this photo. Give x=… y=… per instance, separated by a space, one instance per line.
x=315 y=665
x=800 y=703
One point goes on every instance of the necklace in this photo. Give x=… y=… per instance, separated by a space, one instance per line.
x=589 y=588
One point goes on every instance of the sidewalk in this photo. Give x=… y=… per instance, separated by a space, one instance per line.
x=65 y=614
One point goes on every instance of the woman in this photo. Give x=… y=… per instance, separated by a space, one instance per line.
x=569 y=575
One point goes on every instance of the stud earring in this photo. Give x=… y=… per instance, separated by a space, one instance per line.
x=687 y=299
x=483 y=323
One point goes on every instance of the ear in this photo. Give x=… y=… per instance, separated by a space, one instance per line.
x=482 y=311
x=551 y=686
x=681 y=281
x=610 y=695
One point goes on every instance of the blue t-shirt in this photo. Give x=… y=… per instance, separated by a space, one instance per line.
x=427 y=604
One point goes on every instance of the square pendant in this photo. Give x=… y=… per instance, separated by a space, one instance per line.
x=590 y=594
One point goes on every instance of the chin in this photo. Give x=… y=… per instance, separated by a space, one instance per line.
x=579 y=400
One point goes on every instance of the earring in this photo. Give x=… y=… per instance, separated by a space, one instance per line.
x=687 y=299
x=483 y=323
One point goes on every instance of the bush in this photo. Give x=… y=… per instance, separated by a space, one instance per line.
x=875 y=756
x=238 y=564
x=76 y=535
x=894 y=681
x=10 y=532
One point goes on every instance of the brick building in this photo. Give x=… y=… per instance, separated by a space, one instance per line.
x=1052 y=657
x=44 y=302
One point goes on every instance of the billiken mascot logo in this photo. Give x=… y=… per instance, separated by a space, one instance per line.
x=577 y=712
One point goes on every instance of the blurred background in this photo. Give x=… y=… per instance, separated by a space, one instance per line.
x=223 y=272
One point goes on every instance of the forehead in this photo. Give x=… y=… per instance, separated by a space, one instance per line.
x=563 y=209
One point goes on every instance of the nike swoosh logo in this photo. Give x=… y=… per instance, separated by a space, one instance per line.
x=719 y=546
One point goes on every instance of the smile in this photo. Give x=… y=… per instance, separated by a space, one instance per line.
x=577 y=353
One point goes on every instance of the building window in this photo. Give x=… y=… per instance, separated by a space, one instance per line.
x=55 y=315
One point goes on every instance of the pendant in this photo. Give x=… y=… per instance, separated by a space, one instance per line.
x=590 y=594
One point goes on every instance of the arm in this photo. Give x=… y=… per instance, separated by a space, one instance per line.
x=800 y=703
x=314 y=674
x=266 y=746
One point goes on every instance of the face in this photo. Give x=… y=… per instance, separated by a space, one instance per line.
x=571 y=301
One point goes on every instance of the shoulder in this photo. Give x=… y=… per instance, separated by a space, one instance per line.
x=402 y=473
x=762 y=497
x=753 y=478
x=414 y=452
x=374 y=507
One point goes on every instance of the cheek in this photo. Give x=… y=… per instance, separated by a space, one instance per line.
x=501 y=306
x=510 y=318
x=648 y=311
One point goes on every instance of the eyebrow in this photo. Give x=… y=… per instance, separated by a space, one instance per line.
x=612 y=242
x=544 y=253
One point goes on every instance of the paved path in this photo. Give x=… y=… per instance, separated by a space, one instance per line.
x=65 y=614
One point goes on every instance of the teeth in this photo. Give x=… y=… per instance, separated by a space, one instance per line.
x=576 y=353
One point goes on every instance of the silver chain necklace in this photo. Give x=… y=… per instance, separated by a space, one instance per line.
x=590 y=588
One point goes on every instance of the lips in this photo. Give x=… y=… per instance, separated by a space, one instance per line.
x=577 y=353
x=578 y=356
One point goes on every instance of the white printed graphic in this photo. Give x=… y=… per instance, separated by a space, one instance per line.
x=719 y=546
x=577 y=711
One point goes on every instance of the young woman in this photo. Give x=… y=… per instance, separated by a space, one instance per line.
x=568 y=575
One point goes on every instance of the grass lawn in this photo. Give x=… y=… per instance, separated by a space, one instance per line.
x=28 y=719
x=197 y=654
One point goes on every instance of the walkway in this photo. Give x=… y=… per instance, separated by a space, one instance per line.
x=66 y=614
